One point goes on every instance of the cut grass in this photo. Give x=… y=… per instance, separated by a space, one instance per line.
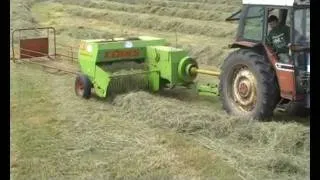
x=140 y=136
x=206 y=50
x=246 y=142
x=84 y=33
x=151 y=9
x=87 y=135
x=162 y=23
x=20 y=17
x=217 y=7
x=66 y=137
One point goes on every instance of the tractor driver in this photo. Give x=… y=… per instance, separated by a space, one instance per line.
x=279 y=38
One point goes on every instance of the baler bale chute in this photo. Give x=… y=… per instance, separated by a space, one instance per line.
x=124 y=64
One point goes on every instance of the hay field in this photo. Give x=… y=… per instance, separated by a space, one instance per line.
x=171 y=135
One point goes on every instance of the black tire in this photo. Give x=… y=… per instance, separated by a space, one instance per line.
x=297 y=109
x=262 y=85
x=83 y=86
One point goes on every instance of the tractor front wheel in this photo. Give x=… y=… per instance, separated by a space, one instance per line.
x=83 y=86
x=248 y=86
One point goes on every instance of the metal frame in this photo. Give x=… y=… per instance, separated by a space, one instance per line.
x=71 y=51
x=34 y=29
x=233 y=16
x=241 y=28
x=43 y=58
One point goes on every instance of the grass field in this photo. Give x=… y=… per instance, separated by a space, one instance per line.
x=170 y=135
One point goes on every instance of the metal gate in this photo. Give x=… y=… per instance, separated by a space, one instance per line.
x=41 y=48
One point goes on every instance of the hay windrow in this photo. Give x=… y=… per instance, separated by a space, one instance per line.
x=268 y=150
x=84 y=33
x=287 y=145
x=207 y=53
x=151 y=9
x=234 y=5
x=21 y=17
x=156 y=23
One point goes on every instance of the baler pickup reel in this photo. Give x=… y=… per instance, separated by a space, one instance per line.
x=126 y=64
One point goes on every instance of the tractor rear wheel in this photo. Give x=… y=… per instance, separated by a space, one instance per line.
x=83 y=86
x=248 y=86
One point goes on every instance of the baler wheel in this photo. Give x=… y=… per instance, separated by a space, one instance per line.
x=248 y=85
x=83 y=86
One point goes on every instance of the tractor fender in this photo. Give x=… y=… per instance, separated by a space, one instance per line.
x=258 y=48
x=242 y=44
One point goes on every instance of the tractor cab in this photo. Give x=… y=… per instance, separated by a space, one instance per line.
x=281 y=43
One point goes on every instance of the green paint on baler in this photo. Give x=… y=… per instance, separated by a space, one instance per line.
x=87 y=61
x=127 y=45
x=166 y=60
x=93 y=53
x=101 y=81
x=97 y=57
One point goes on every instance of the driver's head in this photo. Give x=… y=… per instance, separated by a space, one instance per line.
x=273 y=21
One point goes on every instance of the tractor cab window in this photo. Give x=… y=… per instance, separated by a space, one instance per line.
x=301 y=39
x=302 y=26
x=253 y=23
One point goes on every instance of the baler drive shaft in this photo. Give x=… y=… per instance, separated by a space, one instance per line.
x=195 y=70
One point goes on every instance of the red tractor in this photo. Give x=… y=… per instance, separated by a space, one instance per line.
x=257 y=78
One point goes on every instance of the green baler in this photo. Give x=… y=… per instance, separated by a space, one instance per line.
x=122 y=64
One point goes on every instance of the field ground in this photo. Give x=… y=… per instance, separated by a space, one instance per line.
x=170 y=135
